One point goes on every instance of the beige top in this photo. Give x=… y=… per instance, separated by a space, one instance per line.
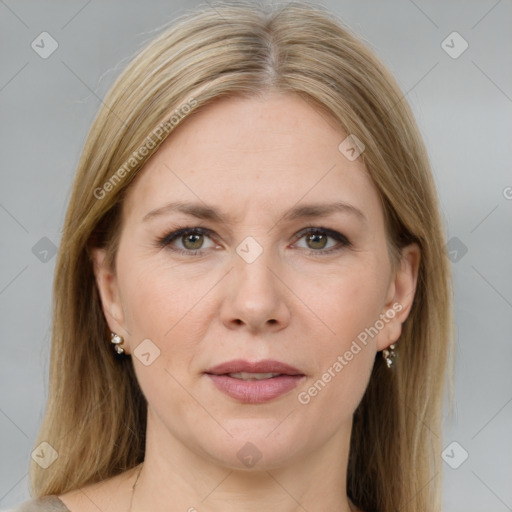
x=44 y=504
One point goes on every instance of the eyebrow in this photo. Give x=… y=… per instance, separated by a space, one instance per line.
x=202 y=211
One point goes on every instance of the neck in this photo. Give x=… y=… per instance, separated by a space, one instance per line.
x=173 y=474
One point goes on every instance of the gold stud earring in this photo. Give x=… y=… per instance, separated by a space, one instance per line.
x=117 y=341
x=389 y=355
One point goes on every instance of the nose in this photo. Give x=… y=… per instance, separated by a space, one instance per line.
x=256 y=296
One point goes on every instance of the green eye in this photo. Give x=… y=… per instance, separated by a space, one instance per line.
x=186 y=240
x=193 y=241
x=316 y=241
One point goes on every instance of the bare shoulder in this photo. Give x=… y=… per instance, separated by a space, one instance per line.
x=111 y=495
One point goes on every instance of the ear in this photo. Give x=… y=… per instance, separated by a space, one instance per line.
x=106 y=282
x=400 y=296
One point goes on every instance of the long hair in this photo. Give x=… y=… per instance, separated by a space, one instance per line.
x=95 y=417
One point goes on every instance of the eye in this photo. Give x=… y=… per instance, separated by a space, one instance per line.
x=191 y=240
x=317 y=240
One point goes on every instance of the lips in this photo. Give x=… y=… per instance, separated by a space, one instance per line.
x=266 y=366
x=254 y=382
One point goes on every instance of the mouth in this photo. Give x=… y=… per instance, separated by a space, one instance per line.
x=256 y=382
x=253 y=376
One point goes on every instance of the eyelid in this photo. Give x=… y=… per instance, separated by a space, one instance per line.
x=166 y=240
x=176 y=233
x=329 y=232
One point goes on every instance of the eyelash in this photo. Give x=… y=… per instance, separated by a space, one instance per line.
x=166 y=240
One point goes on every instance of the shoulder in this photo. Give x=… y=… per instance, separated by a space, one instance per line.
x=43 y=504
x=112 y=494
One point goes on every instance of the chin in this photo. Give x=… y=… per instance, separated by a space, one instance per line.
x=255 y=445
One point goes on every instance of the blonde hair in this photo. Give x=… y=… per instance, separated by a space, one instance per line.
x=96 y=413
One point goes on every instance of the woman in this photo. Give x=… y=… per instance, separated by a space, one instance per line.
x=252 y=302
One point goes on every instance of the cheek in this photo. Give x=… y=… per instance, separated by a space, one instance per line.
x=157 y=296
x=346 y=300
x=349 y=304
x=169 y=305
x=161 y=305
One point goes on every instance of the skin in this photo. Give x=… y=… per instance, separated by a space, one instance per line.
x=254 y=159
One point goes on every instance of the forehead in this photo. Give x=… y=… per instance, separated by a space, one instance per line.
x=260 y=153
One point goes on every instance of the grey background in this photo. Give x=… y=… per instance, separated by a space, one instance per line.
x=463 y=107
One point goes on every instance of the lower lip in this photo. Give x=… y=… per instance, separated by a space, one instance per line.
x=255 y=391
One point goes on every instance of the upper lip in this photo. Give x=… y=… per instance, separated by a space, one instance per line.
x=265 y=366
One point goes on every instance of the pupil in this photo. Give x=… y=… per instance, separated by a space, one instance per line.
x=315 y=239
x=193 y=241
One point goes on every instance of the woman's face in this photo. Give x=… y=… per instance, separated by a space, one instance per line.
x=284 y=258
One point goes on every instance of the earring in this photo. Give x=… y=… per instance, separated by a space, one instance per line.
x=389 y=355
x=117 y=341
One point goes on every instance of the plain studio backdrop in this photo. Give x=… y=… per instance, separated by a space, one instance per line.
x=452 y=61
